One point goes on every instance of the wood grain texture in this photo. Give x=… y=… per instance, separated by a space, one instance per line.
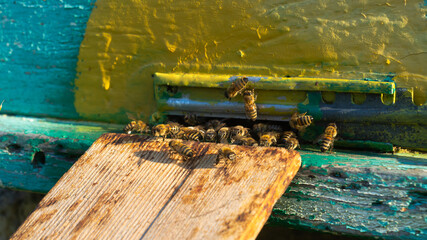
x=129 y=187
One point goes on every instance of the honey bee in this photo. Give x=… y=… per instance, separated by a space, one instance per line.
x=195 y=134
x=191 y=119
x=327 y=138
x=135 y=125
x=225 y=154
x=245 y=141
x=268 y=139
x=160 y=130
x=183 y=150
x=287 y=135
x=291 y=143
x=300 y=121
x=223 y=134
x=173 y=129
x=212 y=127
x=236 y=87
x=180 y=134
x=215 y=124
x=239 y=131
x=262 y=128
x=211 y=135
x=250 y=106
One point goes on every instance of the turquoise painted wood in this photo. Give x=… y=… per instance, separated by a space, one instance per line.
x=358 y=193
x=58 y=143
x=350 y=192
x=40 y=43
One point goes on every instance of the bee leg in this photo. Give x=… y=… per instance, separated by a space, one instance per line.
x=218 y=159
x=332 y=147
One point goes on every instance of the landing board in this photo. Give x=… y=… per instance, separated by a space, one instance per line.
x=130 y=187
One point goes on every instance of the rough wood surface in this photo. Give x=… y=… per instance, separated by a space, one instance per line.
x=375 y=195
x=60 y=142
x=128 y=187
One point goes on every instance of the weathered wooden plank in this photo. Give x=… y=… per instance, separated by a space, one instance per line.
x=368 y=194
x=364 y=173
x=128 y=187
x=60 y=142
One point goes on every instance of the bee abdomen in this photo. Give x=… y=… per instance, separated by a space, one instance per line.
x=326 y=143
x=251 y=112
x=193 y=135
x=304 y=120
x=186 y=151
x=287 y=135
x=241 y=82
x=130 y=127
x=237 y=86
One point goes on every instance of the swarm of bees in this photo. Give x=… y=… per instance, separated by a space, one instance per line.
x=216 y=131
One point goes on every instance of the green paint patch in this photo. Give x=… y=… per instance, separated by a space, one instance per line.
x=311 y=105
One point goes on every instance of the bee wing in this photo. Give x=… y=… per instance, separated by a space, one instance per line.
x=294 y=116
x=131 y=116
x=318 y=139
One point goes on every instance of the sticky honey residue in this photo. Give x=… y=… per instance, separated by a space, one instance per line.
x=125 y=44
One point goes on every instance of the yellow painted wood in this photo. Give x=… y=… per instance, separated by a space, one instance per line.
x=125 y=44
x=277 y=83
x=128 y=187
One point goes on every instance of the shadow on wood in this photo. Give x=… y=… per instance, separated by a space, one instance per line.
x=130 y=187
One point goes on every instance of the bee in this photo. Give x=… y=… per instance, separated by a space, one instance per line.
x=236 y=87
x=250 y=107
x=239 y=131
x=291 y=143
x=191 y=119
x=183 y=150
x=261 y=128
x=179 y=135
x=245 y=141
x=193 y=133
x=225 y=154
x=268 y=139
x=332 y=130
x=223 y=134
x=173 y=129
x=287 y=135
x=160 y=130
x=328 y=138
x=215 y=124
x=300 y=121
x=211 y=135
x=212 y=127
x=136 y=126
